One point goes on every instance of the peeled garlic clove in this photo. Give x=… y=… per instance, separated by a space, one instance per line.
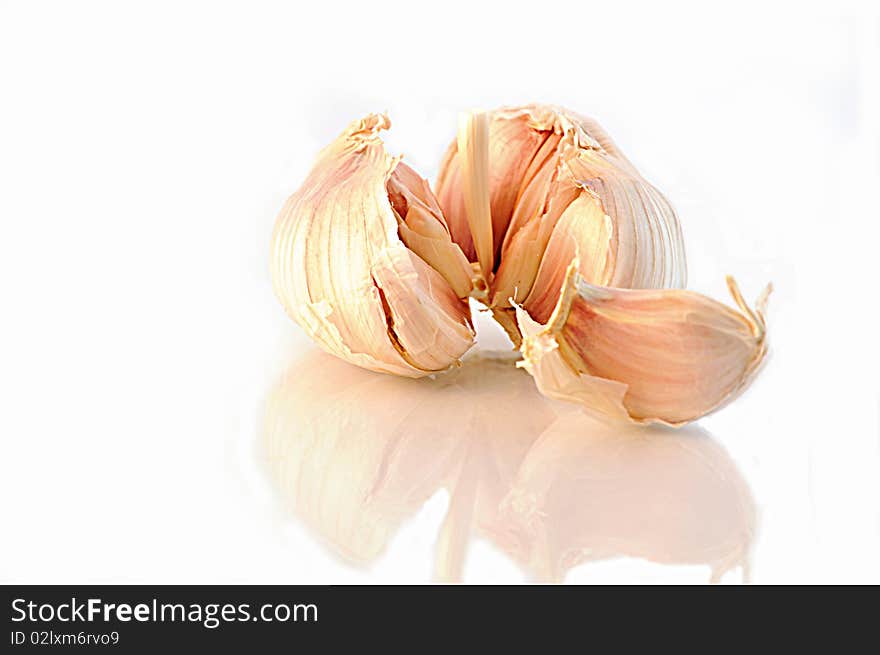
x=665 y=356
x=352 y=256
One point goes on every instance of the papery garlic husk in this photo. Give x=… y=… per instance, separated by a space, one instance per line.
x=644 y=355
x=362 y=259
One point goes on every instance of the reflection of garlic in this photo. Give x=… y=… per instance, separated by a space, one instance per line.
x=354 y=455
x=351 y=465
x=587 y=492
x=547 y=223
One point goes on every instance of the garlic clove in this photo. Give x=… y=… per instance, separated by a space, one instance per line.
x=524 y=248
x=342 y=269
x=556 y=378
x=423 y=228
x=647 y=241
x=583 y=232
x=427 y=323
x=666 y=356
x=582 y=222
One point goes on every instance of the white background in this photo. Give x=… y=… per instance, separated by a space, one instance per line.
x=145 y=149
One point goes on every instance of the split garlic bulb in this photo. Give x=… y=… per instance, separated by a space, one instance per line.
x=539 y=216
x=363 y=261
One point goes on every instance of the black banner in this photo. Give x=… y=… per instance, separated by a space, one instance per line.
x=149 y=618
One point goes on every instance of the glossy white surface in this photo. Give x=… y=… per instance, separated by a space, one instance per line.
x=353 y=455
x=143 y=156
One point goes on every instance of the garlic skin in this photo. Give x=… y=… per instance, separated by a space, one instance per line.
x=342 y=271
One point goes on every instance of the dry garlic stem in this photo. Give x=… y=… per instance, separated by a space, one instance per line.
x=363 y=261
x=544 y=220
x=473 y=140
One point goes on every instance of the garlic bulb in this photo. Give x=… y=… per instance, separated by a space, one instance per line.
x=549 y=170
x=539 y=216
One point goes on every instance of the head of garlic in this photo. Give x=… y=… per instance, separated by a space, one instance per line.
x=551 y=168
x=539 y=216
